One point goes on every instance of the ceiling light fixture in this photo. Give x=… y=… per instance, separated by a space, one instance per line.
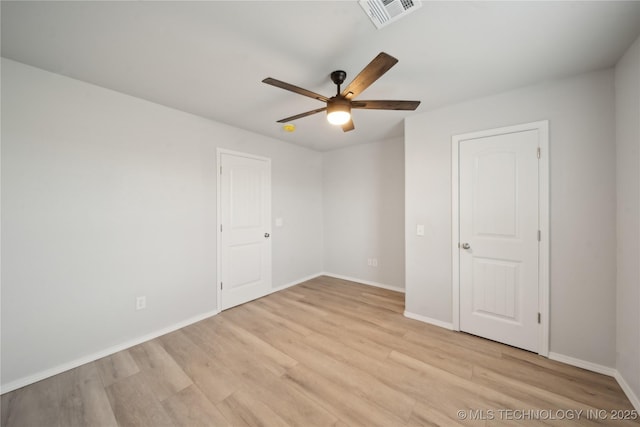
x=338 y=111
x=339 y=107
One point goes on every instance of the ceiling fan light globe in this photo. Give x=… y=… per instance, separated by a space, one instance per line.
x=338 y=117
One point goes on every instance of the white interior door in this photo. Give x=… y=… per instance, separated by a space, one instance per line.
x=245 y=218
x=499 y=237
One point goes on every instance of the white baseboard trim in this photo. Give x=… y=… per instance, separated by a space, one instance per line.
x=30 y=379
x=39 y=376
x=600 y=369
x=364 y=282
x=633 y=398
x=579 y=363
x=425 y=319
x=296 y=282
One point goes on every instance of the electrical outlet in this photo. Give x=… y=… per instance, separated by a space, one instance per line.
x=141 y=303
x=369 y=262
x=374 y=262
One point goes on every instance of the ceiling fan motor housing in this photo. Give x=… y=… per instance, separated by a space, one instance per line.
x=338 y=106
x=338 y=103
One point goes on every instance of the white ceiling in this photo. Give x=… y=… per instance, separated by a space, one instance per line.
x=209 y=57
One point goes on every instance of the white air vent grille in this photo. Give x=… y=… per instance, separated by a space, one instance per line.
x=384 y=12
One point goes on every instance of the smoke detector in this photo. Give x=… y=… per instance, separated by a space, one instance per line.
x=384 y=12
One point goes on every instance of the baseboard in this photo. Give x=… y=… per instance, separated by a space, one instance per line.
x=364 y=282
x=21 y=382
x=39 y=376
x=633 y=398
x=579 y=363
x=296 y=282
x=600 y=369
x=425 y=319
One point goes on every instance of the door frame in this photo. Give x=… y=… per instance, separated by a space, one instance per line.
x=219 y=153
x=543 y=222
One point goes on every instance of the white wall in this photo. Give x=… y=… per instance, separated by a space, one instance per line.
x=106 y=197
x=627 y=88
x=582 y=162
x=364 y=212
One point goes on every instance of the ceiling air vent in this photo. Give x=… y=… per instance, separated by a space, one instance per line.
x=384 y=12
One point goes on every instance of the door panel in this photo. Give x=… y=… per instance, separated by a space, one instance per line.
x=245 y=211
x=245 y=265
x=495 y=195
x=499 y=221
x=496 y=289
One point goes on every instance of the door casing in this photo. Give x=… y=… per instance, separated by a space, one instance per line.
x=543 y=214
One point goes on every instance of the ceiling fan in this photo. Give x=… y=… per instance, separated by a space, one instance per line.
x=339 y=107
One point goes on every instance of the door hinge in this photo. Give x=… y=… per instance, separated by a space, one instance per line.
x=538 y=152
x=221 y=287
x=539 y=318
x=539 y=236
x=220 y=227
x=221 y=169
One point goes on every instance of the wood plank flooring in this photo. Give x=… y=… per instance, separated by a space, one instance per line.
x=324 y=353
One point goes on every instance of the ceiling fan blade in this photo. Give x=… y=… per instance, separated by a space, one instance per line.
x=295 y=89
x=385 y=105
x=301 y=115
x=348 y=126
x=372 y=72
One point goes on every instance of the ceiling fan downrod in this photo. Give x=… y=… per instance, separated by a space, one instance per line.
x=338 y=78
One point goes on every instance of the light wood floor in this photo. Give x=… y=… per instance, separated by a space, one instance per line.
x=326 y=352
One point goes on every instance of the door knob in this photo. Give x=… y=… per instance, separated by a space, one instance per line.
x=465 y=246
x=266 y=235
